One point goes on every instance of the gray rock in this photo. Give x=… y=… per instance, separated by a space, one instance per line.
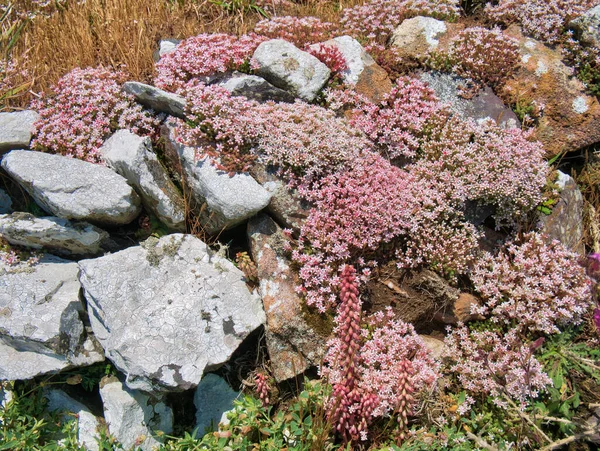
x=168 y=311
x=132 y=157
x=286 y=205
x=565 y=223
x=293 y=344
x=87 y=423
x=224 y=201
x=5 y=203
x=255 y=88
x=418 y=35
x=212 y=399
x=287 y=67
x=40 y=326
x=485 y=105
x=587 y=26
x=16 y=130
x=73 y=189
x=354 y=53
x=134 y=417
x=156 y=99
x=56 y=235
x=165 y=46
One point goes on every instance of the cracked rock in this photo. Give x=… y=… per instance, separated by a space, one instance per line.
x=73 y=189
x=169 y=310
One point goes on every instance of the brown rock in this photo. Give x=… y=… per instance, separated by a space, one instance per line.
x=435 y=345
x=293 y=344
x=571 y=118
x=374 y=83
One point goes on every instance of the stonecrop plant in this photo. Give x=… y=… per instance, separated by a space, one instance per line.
x=533 y=284
x=300 y=31
x=203 y=56
x=85 y=107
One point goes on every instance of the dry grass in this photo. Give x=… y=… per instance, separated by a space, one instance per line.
x=589 y=183
x=126 y=32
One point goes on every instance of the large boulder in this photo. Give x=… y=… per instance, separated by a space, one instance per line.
x=417 y=36
x=40 y=325
x=132 y=157
x=287 y=67
x=571 y=118
x=587 y=26
x=224 y=201
x=133 y=417
x=169 y=310
x=55 y=235
x=367 y=77
x=156 y=99
x=484 y=105
x=73 y=189
x=16 y=130
x=255 y=88
x=293 y=344
x=87 y=423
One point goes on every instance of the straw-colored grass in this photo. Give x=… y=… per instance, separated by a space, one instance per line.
x=126 y=32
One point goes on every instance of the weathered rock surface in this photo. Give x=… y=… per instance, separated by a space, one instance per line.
x=587 y=26
x=40 y=326
x=55 y=235
x=5 y=203
x=87 y=423
x=289 y=68
x=224 y=201
x=16 y=130
x=484 y=105
x=565 y=223
x=213 y=399
x=156 y=99
x=435 y=345
x=368 y=78
x=73 y=189
x=571 y=118
x=418 y=35
x=286 y=206
x=134 y=417
x=168 y=311
x=132 y=157
x=255 y=88
x=165 y=46
x=293 y=344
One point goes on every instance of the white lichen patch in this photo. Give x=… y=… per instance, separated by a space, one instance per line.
x=433 y=30
x=580 y=105
x=529 y=44
x=525 y=58
x=541 y=69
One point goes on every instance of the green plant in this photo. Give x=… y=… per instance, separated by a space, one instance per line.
x=240 y=7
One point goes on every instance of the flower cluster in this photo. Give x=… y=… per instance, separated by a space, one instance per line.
x=395 y=124
x=585 y=60
x=543 y=19
x=262 y=387
x=332 y=57
x=496 y=364
x=300 y=31
x=14 y=259
x=350 y=407
x=486 y=56
x=533 y=284
x=202 y=56
x=86 y=107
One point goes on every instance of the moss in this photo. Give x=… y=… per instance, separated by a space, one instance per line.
x=321 y=323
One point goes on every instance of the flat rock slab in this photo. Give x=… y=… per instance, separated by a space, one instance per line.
x=571 y=118
x=287 y=67
x=223 y=201
x=213 y=399
x=16 y=130
x=293 y=344
x=484 y=105
x=40 y=326
x=133 y=417
x=56 y=235
x=73 y=189
x=168 y=311
x=132 y=157
x=255 y=88
x=156 y=99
